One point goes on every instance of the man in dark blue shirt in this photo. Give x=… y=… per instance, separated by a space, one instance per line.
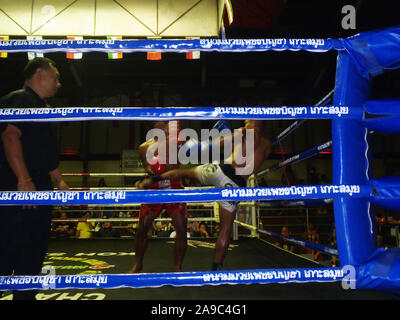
x=28 y=162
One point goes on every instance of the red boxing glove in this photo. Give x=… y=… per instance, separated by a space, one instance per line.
x=158 y=165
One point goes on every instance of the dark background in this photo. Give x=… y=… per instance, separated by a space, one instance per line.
x=268 y=78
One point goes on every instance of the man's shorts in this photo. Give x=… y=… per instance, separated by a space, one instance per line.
x=220 y=176
x=170 y=208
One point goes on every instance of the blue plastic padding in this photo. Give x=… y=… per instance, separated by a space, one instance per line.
x=354 y=218
x=381 y=271
x=375 y=51
x=386 y=192
x=389 y=110
x=385 y=125
x=383 y=107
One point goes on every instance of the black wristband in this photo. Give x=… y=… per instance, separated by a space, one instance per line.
x=156 y=178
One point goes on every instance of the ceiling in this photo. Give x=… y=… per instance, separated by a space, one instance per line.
x=136 y=18
x=268 y=78
x=290 y=77
x=264 y=78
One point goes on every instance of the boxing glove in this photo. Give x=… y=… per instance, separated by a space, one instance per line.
x=193 y=145
x=221 y=125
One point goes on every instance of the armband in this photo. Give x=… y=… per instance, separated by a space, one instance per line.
x=24 y=181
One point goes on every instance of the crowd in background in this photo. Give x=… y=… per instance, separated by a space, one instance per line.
x=76 y=223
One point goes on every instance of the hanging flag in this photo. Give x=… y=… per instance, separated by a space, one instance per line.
x=154 y=56
x=32 y=55
x=229 y=11
x=193 y=54
x=3 y=54
x=74 y=55
x=114 y=55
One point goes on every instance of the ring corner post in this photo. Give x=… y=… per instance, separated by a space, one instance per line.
x=354 y=218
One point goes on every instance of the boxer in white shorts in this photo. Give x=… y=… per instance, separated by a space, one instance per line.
x=220 y=176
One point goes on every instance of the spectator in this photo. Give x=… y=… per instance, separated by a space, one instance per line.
x=64 y=229
x=322 y=210
x=216 y=230
x=194 y=228
x=84 y=229
x=284 y=234
x=107 y=231
x=332 y=242
x=102 y=183
x=312 y=234
x=173 y=233
x=161 y=228
x=313 y=176
x=98 y=213
x=203 y=231
x=284 y=244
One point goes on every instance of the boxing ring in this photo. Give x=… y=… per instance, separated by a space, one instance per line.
x=354 y=190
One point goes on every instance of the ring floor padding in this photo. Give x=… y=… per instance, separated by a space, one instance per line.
x=71 y=256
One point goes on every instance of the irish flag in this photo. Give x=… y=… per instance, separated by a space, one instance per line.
x=114 y=55
x=74 y=55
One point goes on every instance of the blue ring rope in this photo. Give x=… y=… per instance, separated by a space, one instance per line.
x=296 y=158
x=302 y=243
x=176 y=196
x=298 y=242
x=162 y=45
x=152 y=280
x=298 y=123
x=176 y=113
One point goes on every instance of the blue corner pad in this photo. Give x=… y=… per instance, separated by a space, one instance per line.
x=386 y=192
x=375 y=51
x=381 y=271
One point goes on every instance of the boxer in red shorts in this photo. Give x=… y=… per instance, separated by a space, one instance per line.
x=149 y=212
